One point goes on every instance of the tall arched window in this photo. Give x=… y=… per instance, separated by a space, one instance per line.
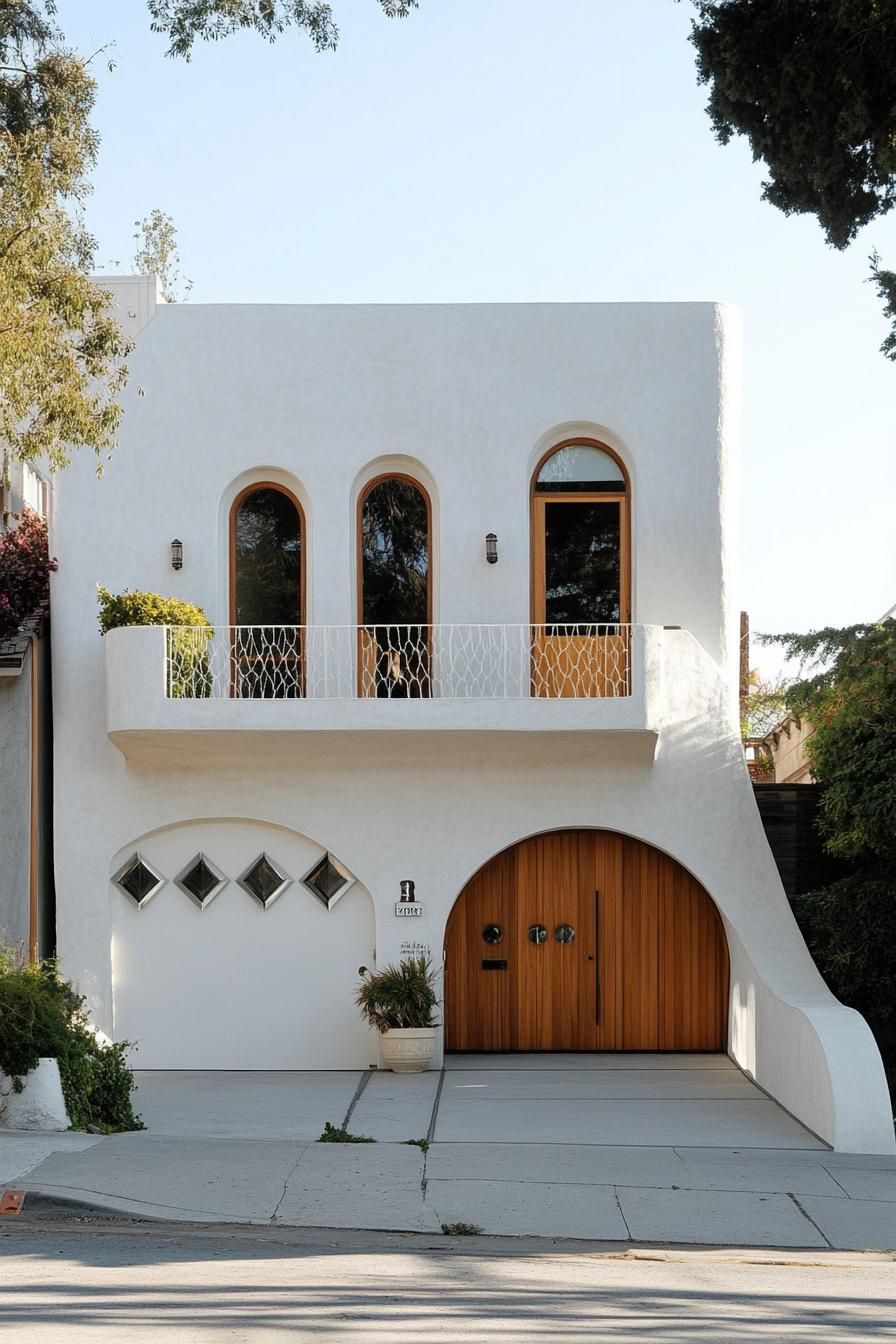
x=267 y=593
x=581 y=597
x=394 y=562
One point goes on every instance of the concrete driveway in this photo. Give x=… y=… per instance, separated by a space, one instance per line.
x=674 y=1100
x=692 y=1100
x=655 y=1149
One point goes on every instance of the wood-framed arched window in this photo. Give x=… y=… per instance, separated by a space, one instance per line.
x=394 y=548
x=267 y=592
x=581 y=570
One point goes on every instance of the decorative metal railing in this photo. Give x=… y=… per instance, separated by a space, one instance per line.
x=398 y=662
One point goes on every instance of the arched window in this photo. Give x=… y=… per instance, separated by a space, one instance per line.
x=267 y=593
x=394 y=556
x=581 y=595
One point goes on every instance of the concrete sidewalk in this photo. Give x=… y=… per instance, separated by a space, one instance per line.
x=559 y=1148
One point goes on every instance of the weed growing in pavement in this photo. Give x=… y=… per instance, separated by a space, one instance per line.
x=339 y=1134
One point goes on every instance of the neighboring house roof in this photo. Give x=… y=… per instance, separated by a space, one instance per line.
x=792 y=764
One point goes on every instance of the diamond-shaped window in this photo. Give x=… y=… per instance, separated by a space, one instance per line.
x=139 y=880
x=264 y=880
x=201 y=880
x=328 y=880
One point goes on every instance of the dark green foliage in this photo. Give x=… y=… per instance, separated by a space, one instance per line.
x=34 y=1015
x=41 y=1016
x=848 y=691
x=399 y=996
x=851 y=927
x=339 y=1134
x=183 y=21
x=813 y=88
x=461 y=1229
x=422 y=1144
x=97 y=1082
x=885 y=282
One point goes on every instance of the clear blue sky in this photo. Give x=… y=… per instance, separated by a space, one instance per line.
x=523 y=150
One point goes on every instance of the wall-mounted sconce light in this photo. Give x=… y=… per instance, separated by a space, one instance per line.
x=407 y=891
x=491 y=548
x=177 y=554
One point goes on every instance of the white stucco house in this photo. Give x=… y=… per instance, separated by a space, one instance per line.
x=470 y=570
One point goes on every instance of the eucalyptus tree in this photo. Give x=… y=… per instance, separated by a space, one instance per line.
x=61 y=353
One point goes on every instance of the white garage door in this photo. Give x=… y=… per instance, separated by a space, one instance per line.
x=233 y=980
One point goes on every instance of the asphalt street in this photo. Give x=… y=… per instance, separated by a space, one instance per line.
x=90 y=1278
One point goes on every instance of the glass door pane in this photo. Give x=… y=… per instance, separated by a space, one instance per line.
x=579 y=648
x=582 y=563
x=266 y=653
x=394 y=654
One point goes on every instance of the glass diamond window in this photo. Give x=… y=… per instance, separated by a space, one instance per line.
x=264 y=880
x=138 y=880
x=328 y=880
x=201 y=880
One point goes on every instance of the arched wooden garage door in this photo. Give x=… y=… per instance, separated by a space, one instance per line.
x=644 y=967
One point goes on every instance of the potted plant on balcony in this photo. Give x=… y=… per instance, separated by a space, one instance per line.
x=400 y=1001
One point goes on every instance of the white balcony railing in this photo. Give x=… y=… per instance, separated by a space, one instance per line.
x=398 y=662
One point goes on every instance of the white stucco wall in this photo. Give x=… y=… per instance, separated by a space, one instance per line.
x=467 y=398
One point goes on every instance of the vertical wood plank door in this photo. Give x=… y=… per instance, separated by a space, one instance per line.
x=646 y=967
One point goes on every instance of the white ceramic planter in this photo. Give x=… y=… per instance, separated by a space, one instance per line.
x=39 y=1105
x=407 y=1049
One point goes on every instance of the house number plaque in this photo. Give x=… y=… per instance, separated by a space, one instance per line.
x=408 y=910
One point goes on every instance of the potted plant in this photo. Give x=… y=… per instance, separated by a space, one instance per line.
x=56 y=1070
x=400 y=1001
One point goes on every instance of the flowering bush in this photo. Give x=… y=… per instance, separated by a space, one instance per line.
x=25 y=568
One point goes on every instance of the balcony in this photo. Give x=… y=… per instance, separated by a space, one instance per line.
x=165 y=685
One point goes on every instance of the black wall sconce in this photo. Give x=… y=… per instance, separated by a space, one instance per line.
x=177 y=554
x=407 y=891
x=491 y=548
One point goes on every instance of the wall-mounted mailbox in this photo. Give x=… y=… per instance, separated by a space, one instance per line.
x=493 y=964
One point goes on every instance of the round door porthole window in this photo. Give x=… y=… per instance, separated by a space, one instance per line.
x=492 y=934
x=564 y=933
x=537 y=933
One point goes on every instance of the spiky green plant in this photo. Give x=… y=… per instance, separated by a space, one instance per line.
x=399 y=996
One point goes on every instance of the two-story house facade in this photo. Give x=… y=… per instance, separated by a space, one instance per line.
x=470 y=573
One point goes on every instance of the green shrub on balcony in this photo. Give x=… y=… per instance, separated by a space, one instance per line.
x=189 y=630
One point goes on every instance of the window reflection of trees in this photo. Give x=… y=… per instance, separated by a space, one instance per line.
x=582 y=580
x=395 y=590
x=267 y=596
